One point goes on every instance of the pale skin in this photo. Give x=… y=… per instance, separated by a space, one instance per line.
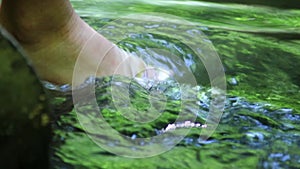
x=53 y=36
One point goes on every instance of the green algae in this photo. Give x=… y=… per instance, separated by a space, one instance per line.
x=245 y=138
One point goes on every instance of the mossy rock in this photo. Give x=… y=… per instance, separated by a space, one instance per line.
x=24 y=116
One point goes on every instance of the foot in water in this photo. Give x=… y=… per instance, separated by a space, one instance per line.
x=53 y=36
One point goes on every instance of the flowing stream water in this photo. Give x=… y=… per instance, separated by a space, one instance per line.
x=259 y=50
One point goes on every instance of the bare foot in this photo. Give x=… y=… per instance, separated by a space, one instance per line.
x=54 y=39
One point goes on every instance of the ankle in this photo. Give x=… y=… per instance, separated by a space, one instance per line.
x=30 y=23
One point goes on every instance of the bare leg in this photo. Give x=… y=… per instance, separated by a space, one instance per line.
x=53 y=36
